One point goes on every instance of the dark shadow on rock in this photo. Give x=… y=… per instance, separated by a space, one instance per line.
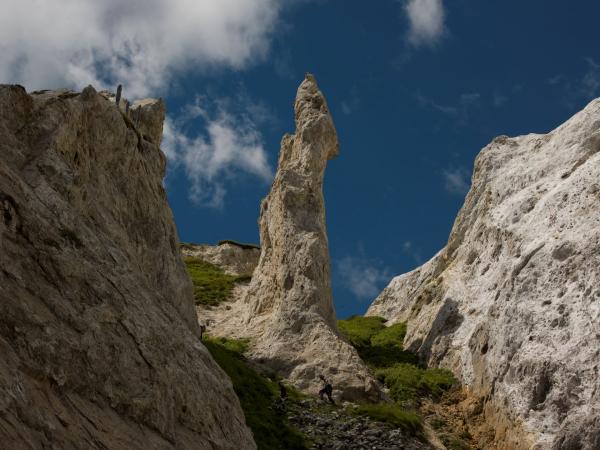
x=447 y=321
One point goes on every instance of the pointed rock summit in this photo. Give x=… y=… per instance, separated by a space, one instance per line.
x=289 y=301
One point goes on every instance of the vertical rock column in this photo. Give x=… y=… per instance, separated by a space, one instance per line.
x=290 y=306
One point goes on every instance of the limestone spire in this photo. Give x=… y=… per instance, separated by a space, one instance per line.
x=289 y=298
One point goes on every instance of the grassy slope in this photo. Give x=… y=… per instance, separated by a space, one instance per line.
x=257 y=396
x=211 y=285
x=381 y=348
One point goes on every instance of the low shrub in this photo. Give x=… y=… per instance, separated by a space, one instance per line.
x=377 y=345
x=407 y=381
x=237 y=346
x=359 y=330
x=390 y=336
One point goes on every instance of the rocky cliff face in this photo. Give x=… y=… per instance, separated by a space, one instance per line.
x=289 y=299
x=512 y=304
x=98 y=345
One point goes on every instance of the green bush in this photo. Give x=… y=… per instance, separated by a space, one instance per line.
x=211 y=285
x=237 y=346
x=407 y=381
x=390 y=336
x=377 y=345
x=359 y=330
x=257 y=396
x=392 y=414
x=385 y=356
x=436 y=381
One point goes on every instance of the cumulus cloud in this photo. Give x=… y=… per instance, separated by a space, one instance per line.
x=363 y=277
x=145 y=45
x=456 y=180
x=230 y=145
x=139 y=43
x=459 y=111
x=427 y=21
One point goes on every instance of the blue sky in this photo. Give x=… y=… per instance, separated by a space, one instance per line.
x=410 y=119
x=416 y=89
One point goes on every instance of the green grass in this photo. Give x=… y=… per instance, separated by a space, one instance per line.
x=392 y=335
x=377 y=345
x=257 y=396
x=359 y=330
x=381 y=348
x=393 y=414
x=211 y=285
x=408 y=382
x=237 y=346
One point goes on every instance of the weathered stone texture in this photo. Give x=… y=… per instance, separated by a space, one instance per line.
x=98 y=335
x=235 y=259
x=512 y=304
x=289 y=303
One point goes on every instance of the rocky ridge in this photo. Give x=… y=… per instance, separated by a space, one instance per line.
x=234 y=258
x=511 y=304
x=98 y=334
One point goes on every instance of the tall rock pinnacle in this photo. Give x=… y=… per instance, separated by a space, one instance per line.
x=289 y=300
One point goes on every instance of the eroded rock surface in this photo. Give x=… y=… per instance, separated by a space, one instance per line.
x=289 y=302
x=234 y=258
x=512 y=304
x=98 y=334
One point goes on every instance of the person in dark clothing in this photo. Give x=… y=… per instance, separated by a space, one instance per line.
x=280 y=403
x=327 y=390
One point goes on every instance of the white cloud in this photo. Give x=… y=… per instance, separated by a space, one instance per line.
x=427 y=21
x=456 y=181
x=590 y=84
x=586 y=87
x=460 y=111
x=230 y=146
x=364 y=278
x=139 y=43
x=145 y=45
x=409 y=249
x=351 y=103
